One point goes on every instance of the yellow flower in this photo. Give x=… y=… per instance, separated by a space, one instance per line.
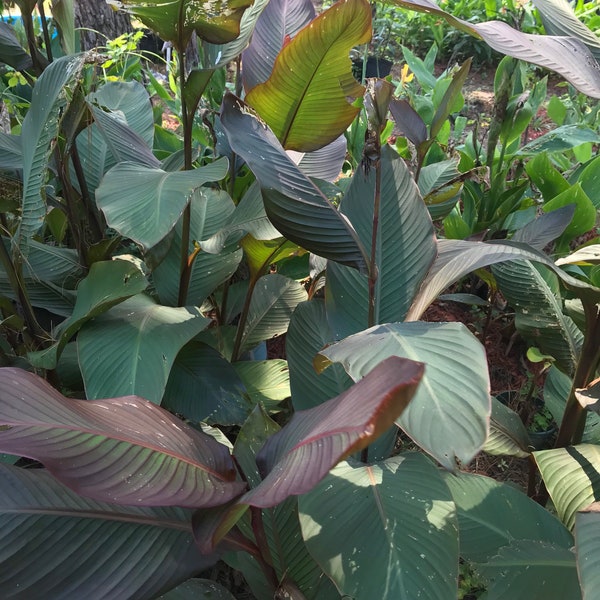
x=405 y=76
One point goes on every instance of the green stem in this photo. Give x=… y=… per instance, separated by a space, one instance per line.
x=235 y=353
x=185 y=273
x=373 y=272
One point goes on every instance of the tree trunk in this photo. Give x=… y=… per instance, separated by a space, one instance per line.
x=99 y=22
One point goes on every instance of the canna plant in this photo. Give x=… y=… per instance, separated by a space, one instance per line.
x=134 y=282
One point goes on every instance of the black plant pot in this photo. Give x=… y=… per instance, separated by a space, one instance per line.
x=376 y=67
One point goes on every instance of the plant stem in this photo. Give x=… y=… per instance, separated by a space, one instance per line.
x=266 y=561
x=373 y=273
x=184 y=272
x=235 y=353
x=39 y=335
x=40 y=6
x=573 y=421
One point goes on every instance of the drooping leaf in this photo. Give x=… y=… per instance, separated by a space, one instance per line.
x=325 y=163
x=457 y=258
x=527 y=569
x=123 y=450
x=589 y=397
x=203 y=386
x=408 y=122
x=560 y=139
x=125 y=145
x=71 y=546
x=155 y=199
x=292 y=202
x=40 y=129
x=107 y=284
x=539 y=316
x=305 y=101
x=11 y=52
x=567 y=56
x=130 y=349
x=310 y=332
x=399 y=531
x=508 y=436
x=279 y=21
x=585 y=255
x=449 y=415
x=129 y=100
x=295 y=459
x=492 y=514
x=405 y=248
x=572 y=477
x=209 y=211
x=175 y=21
x=587 y=549
x=273 y=301
x=559 y=18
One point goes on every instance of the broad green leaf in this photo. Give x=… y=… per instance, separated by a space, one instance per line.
x=567 y=56
x=397 y=538
x=12 y=152
x=546 y=176
x=560 y=139
x=539 y=315
x=40 y=129
x=273 y=301
x=559 y=18
x=175 y=21
x=440 y=185
x=587 y=550
x=198 y=589
x=405 y=248
x=203 y=386
x=131 y=348
x=278 y=21
x=572 y=477
x=155 y=199
x=260 y=254
x=589 y=179
x=585 y=213
x=457 y=258
x=11 y=51
x=210 y=210
x=267 y=381
x=531 y=570
x=295 y=459
x=248 y=217
x=49 y=274
x=493 y=514
x=107 y=284
x=63 y=13
x=449 y=415
x=123 y=142
x=63 y=538
x=123 y=450
x=305 y=101
x=292 y=202
x=132 y=100
x=508 y=436
x=310 y=332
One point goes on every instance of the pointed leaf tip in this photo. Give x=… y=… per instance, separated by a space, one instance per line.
x=301 y=454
